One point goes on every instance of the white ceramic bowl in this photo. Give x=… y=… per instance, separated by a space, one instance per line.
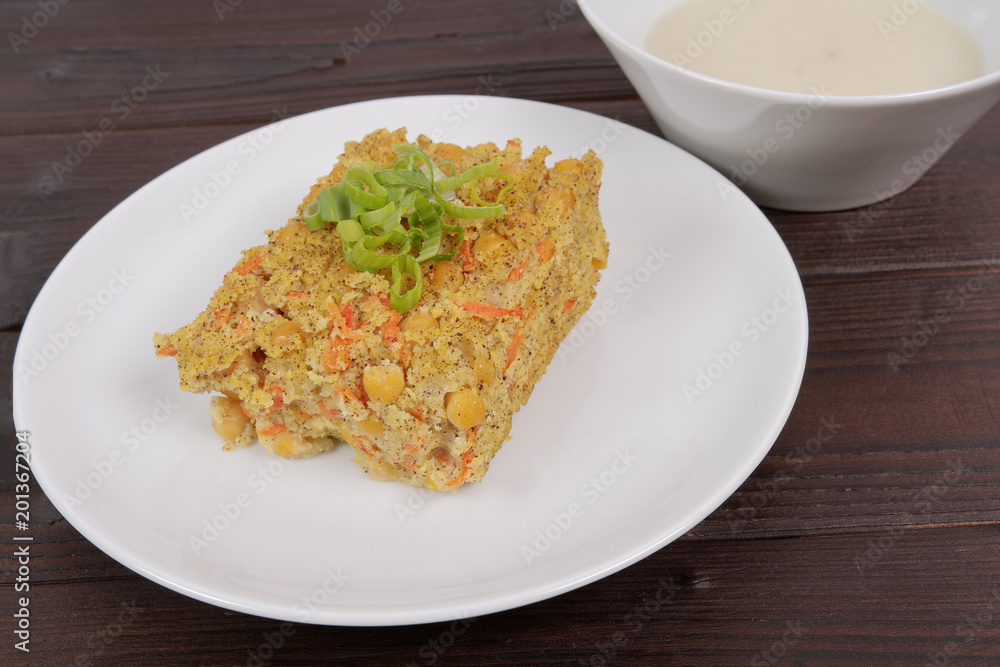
x=851 y=151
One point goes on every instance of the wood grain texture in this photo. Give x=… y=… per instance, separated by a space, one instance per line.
x=869 y=535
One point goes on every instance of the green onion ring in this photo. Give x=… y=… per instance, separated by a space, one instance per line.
x=471 y=174
x=350 y=231
x=470 y=212
x=503 y=177
x=335 y=205
x=312 y=217
x=404 y=302
x=362 y=255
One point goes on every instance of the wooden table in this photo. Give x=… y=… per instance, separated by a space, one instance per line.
x=870 y=535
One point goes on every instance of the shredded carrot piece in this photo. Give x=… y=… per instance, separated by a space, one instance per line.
x=363 y=443
x=417 y=413
x=243 y=327
x=277 y=397
x=295 y=295
x=568 y=306
x=346 y=393
x=272 y=429
x=517 y=271
x=468 y=264
x=348 y=314
x=515 y=346
x=340 y=326
x=168 y=351
x=336 y=357
x=545 y=249
x=410 y=448
x=330 y=413
x=488 y=312
x=464 y=473
x=302 y=414
x=336 y=317
x=249 y=265
x=391 y=335
x=409 y=465
x=220 y=317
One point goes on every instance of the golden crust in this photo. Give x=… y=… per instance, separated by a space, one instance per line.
x=289 y=334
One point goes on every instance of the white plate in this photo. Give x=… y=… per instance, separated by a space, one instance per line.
x=645 y=422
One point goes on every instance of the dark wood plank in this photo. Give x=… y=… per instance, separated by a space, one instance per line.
x=883 y=454
x=43 y=212
x=264 y=54
x=8 y=342
x=888 y=599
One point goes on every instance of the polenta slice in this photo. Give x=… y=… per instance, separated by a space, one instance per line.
x=409 y=323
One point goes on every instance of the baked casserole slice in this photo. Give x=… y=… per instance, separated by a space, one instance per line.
x=303 y=350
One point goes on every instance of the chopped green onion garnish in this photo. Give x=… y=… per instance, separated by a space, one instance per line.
x=509 y=180
x=362 y=255
x=369 y=204
x=407 y=266
x=470 y=174
x=470 y=212
x=403 y=177
x=381 y=220
x=365 y=176
x=311 y=216
x=373 y=198
x=335 y=205
x=350 y=231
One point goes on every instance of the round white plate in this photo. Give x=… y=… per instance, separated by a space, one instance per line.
x=658 y=406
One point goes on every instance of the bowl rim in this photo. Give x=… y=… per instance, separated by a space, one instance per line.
x=784 y=97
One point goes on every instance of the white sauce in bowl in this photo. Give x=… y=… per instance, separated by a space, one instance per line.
x=838 y=47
